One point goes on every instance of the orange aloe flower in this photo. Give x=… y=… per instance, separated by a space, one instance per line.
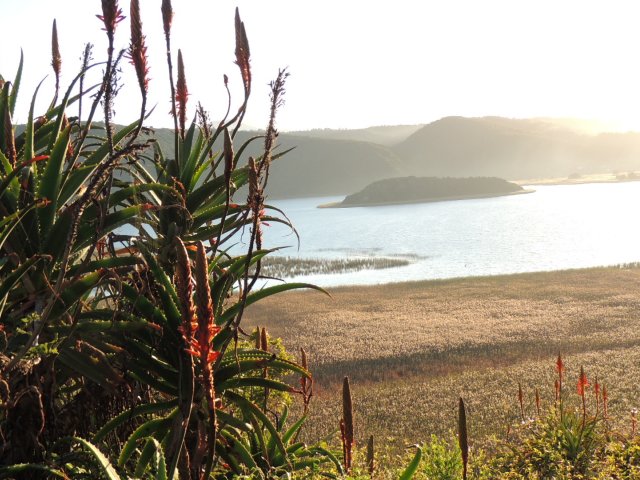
x=583 y=382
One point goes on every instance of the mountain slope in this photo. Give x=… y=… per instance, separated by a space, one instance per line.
x=514 y=149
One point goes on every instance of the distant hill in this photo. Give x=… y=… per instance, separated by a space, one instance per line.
x=514 y=149
x=428 y=189
x=387 y=135
x=316 y=166
x=340 y=162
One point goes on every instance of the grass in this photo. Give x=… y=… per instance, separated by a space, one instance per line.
x=411 y=349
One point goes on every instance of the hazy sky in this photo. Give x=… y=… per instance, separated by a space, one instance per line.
x=358 y=63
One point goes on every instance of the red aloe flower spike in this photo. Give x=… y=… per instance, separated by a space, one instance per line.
x=207 y=328
x=56 y=58
x=583 y=382
x=185 y=291
x=111 y=16
x=138 y=48
x=605 y=401
x=243 y=54
x=537 y=402
x=560 y=368
x=182 y=94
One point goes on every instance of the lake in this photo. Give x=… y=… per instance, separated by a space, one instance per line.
x=554 y=228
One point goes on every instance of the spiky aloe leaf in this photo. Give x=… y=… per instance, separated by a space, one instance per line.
x=16 y=85
x=264 y=293
x=28 y=132
x=236 y=446
x=49 y=183
x=254 y=382
x=214 y=188
x=103 y=462
x=191 y=155
x=11 y=471
x=252 y=409
x=95 y=368
x=145 y=430
x=412 y=468
x=134 y=412
x=75 y=178
x=152 y=451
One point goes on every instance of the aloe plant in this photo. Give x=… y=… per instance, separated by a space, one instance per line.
x=141 y=326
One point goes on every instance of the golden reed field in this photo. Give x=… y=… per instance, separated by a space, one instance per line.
x=411 y=349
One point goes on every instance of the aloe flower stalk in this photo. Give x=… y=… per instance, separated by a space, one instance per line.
x=56 y=58
x=521 y=400
x=243 y=54
x=111 y=16
x=583 y=383
x=463 y=440
x=138 y=48
x=167 y=16
x=182 y=94
x=346 y=424
x=537 y=402
x=371 y=465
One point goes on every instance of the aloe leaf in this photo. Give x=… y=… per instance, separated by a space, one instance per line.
x=28 y=133
x=328 y=454
x=16 y=85
x=250 y=407
x=152 y=451
x=134 y=412
x=91 y=367
x=231 y=312
x=190 y=154
x=227 y=419
x=216 y=186
x=14 y=277
x=143 y=305
x=22 y=468
x=240 y=450
x=103 y=462
x=242 y=366
x=412 y=468
x=10 y=183
x=170 y=298
x=4 y=106
x=74 y=292
x=87 y=232
x=49 y=186
x=145 y=430
x=253 y=382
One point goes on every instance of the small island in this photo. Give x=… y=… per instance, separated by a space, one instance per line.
x=427 y=189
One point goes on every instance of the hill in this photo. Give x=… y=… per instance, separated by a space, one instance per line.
x=339 y=162
x=316 y=166
x=387 y=135
x=514 y=149
x=429 y=189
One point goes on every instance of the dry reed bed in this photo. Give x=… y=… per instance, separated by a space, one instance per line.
x=412 y=348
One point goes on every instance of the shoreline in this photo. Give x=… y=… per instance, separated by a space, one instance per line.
x=587 y=179
x=498 y=276
x=427 y=200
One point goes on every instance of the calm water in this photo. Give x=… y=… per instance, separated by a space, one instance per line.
x=557 y=227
